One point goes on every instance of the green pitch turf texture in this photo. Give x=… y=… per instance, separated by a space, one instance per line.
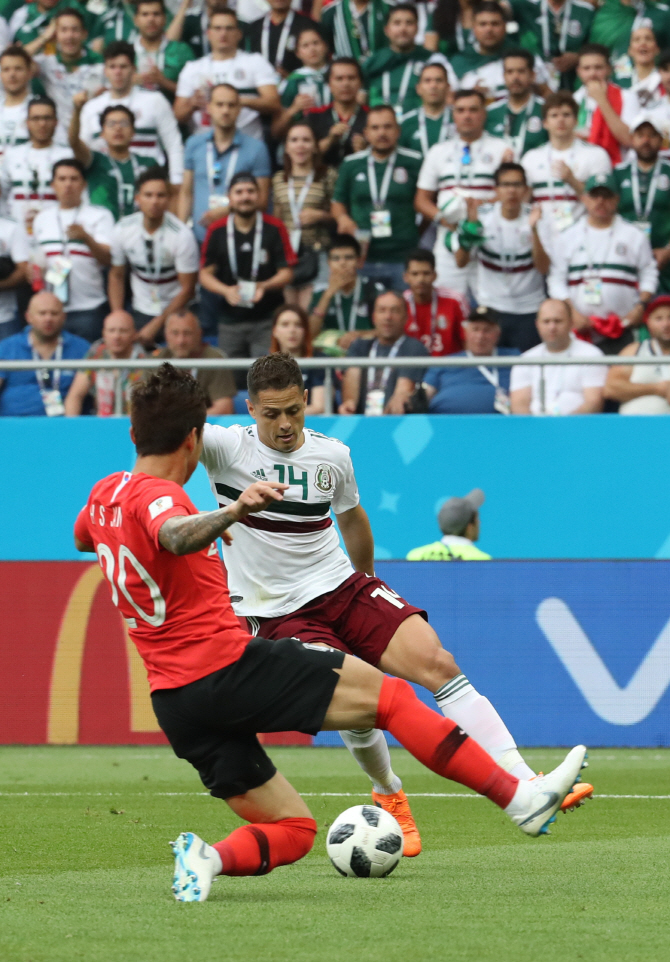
x=86 y=869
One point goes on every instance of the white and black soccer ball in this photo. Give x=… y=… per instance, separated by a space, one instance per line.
x=365 y=841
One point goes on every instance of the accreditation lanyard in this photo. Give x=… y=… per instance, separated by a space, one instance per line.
x=386 y=372
x=357 y=24
x=283 y=38
x=546 y=33
x=433 y=313
x=214 y=168
x=115 y=171
x=232 y=251
x=520 y=138
x=297 y=205
x=651 y=193
x=423 y=129
x=465 y=160
x=350 y=123
x=42 y=375
x=353 y=310
x=158 y=57
x=404 y=84
x=493 y=377
x=379 y=197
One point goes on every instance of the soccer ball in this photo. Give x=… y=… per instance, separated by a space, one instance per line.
x=365 y=841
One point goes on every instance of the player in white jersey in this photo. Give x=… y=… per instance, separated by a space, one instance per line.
x=250 y=73
x=156 y=130
x=557 y=171
x=461 y=167
x=161 y=253
x=288 y=576
x=26 y=172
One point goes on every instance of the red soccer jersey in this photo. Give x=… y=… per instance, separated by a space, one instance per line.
x=177 y=609
x=437 y=324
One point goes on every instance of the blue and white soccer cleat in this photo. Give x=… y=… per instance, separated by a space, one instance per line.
x=545 y=794
x=196 y=864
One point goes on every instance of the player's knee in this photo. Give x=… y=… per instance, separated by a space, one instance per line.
x=437 y=667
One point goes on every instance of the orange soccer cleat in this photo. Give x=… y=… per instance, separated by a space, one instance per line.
x=398 y=806
x=580 y=792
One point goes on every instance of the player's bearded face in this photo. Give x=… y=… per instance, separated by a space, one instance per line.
x=280 y=416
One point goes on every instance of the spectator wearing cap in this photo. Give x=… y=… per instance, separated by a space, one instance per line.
x=473 y=390
x=458 y=519
x=643 y=182
x=504 y=239
x=645 y=388
x=558 y=390
x=604 y=268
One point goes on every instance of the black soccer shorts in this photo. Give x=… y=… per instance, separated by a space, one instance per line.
x=275 y=686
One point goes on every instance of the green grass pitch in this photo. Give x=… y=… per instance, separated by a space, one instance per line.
x=86 y=869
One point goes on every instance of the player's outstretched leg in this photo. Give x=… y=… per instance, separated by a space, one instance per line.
x=371 y=751
x=444 y=748
x=282 y=831
x=416 y=654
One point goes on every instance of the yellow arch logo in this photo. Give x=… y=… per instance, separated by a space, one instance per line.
x=63 y=717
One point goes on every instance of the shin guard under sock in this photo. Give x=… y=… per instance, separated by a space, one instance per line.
x=257 y=849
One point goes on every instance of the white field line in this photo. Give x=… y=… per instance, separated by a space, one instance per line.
x=304 y=794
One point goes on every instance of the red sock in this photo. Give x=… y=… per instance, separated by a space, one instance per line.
x=440 y=744
x=257 y=849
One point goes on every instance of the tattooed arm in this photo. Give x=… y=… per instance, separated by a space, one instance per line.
x=193 y=532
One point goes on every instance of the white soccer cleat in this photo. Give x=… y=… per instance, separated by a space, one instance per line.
x=545 y=794
x=196 y=864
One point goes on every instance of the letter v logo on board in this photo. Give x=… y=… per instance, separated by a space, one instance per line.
x=618 y=706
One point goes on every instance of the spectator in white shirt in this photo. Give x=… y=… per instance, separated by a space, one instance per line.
x=73 y=240
x=15 y=76
x=558 y=389
x=645 y=388
x=604 y=268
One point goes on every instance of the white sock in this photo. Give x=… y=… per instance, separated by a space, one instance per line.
x=370 y=750
x=476 y=715
x=519 y=803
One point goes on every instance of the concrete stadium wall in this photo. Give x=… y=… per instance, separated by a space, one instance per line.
x=582 y=487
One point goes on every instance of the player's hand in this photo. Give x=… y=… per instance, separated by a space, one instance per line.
x=257 y=497
x=232 y=294
x=76 y=232
x=598 y=90
x=561 y=170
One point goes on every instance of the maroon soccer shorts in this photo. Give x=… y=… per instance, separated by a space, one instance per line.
x=359 y=617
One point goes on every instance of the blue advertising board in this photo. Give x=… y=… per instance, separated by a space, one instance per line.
x=568 y=651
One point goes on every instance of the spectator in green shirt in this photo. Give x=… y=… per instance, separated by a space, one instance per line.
x=374 y=198
x=111 y=176
x=159 y=60
x=391 y=74
x=458 y=519
x=518 y=118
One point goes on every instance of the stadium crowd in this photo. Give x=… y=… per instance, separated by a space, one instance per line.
x=338 y=178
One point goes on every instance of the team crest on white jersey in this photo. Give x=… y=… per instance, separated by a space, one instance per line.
x=324 y=478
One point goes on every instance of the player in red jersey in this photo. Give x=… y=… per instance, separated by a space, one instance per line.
x=213 y=686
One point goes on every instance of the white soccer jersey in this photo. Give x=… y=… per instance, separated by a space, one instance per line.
x=285 y=556
x=61 y=84
x=86 y=281
x=25 y=178
x=560 y=205
x=444 y=171
x=154 y=259
x=615 y=264
x=245 y=71
x=13 y=129
x=563 y=386
x=507 y=279
x=156 y=130
x=490 y=76
x=13 y=243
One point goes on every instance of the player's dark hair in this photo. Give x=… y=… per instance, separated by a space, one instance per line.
x=72 y=12
x=219 y=9
x=152 y=173
x=243 y=177
x=16 y=50
x=164 y=409
x=507 y=168
x=406 y=7
x=119 y=48
x=561 y=98
x=347 y=62
x=379 y=108
x=421 y=256
x=594 y=48
x=431 y=66
x=462 y=94
x=116 y=109
x=345 y=240
x=42 y=102
x=274 y=372
x=143 y=3
x=488 y=6
x=520 y=53
x=69 y=162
